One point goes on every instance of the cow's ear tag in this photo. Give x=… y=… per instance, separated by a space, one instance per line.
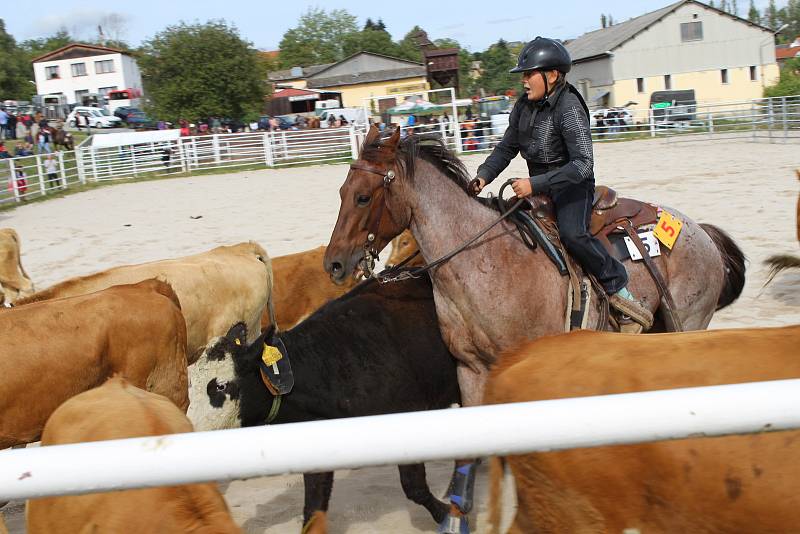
x=237 y=341
x=271 y=355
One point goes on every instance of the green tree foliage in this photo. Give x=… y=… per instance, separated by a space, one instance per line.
x=15 y=70
x=603 y=20
x=318 y=38
x=789 y=15
x=752 y=14
x=201 y=70
x=408 y=47
x=370 y=40
x=771 y=16
x=789 y=83
x=496 y=62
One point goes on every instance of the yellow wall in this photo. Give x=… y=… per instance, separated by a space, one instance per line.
x=707 y=85
x=354 y=95
x=297 y=84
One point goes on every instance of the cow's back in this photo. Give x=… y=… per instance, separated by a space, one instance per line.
x=56 y=349
x=727 y=484
x=301 y=287
x=118 y=410
x=216 y=289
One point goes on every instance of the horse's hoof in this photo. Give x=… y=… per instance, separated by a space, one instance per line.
x=454 y=524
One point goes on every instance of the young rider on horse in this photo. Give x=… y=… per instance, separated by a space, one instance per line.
x=549 y=125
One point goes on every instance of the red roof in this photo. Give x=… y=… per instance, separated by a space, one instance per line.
x=285 y=93
x=787 y=52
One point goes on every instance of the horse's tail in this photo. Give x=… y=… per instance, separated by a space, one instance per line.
x=733 y=258
x=497 y=466
x=779 y=263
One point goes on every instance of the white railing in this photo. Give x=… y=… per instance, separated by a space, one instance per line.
x=400 y=439
x=772 y=119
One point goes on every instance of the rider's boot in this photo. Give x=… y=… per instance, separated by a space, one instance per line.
x=634 y=316
x=462 y=487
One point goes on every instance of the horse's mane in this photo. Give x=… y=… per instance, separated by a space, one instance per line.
x=430 y=148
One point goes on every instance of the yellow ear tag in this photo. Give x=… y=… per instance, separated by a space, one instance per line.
x=237 y=341
x=271 y=355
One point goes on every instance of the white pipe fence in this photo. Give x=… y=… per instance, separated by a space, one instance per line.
x=400 y=439
x=767 y=119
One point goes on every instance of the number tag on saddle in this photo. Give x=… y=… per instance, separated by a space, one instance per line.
x=650 y=245
x=667 y=229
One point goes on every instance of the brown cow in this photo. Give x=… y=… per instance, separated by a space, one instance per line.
x=217 y=289
x=301 y=287
x=51 y=351
x=729 y=484
x=404 y=246
x=14 y=281
x=119 y=410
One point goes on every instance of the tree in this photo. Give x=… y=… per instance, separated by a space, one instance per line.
x=734 y=8
x=752 y=14
x=496 y=62
x=408 y=47
x=603 y=21
x=789 y=83
x=772 y=16
x=373 y=40
x=317 y=38
x=201 y=70
x=15 y=70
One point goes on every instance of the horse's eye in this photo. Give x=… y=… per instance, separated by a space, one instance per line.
x=221 y=386
x=363 y=200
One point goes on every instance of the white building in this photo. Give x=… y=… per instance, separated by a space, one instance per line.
x=78 y=69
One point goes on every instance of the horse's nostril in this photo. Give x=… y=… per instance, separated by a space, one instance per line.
x=336 y=267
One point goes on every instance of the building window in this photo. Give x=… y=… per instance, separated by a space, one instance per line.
x=692 y=31
x=640 y=85
x=103 y=91
x=753 y=73
x=103 y=67
x=668 y=82
x=724 y=73
x=79 y=96
x=78 y=69
x=51 y=73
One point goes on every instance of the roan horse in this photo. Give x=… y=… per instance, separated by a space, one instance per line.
x=496 y=293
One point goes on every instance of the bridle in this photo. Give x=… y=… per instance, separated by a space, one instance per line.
x=397 y=273
x=371 y=254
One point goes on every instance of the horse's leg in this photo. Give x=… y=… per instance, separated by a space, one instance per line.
x=415 y=486
x=462 y=484
x=318 y=488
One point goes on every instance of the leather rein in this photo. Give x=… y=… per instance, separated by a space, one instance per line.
x=396 y=274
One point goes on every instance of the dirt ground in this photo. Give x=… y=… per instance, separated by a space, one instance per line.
x=748 y=189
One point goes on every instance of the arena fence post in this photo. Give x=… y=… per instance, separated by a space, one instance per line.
x=785 y=113
x=62 y=170
x=652 y=121
x=269 y=161
x=13 y=177
x=40 y=174
x=353 y=141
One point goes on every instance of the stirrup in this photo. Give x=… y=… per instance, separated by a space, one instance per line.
x=455 y=523
x=632 y=309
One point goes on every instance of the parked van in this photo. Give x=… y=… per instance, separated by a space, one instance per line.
x=322 y=105
x=97 y=117
x=353 y=116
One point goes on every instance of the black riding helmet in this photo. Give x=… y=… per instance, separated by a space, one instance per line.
x=543 y=54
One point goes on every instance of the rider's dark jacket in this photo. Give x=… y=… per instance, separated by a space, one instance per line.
x=554 y=138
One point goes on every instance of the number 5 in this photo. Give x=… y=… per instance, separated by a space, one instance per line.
x=669 y=229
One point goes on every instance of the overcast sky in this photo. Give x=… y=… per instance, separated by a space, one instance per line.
x=475 y=24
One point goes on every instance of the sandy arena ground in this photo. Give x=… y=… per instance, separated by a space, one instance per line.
x=748 y=189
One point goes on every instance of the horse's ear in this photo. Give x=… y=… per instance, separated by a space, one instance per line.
x=394 y=140
x=373 y=135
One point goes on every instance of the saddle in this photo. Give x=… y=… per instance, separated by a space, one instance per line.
x=611 y=214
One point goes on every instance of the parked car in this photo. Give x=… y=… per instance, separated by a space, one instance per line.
x=138 y=119
x=123 y=111
x=97 y=118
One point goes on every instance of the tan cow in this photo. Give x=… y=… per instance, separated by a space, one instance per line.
x=780 y=262
x=53 y=350
x=301 y=287
x=217 y=289
x=730 y=484
x=404 y=246
x=14 y=281
x=119 y=410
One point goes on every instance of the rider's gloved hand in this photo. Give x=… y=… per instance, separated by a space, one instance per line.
x=476 y=186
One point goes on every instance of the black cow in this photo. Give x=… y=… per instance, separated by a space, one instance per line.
x=375 y=350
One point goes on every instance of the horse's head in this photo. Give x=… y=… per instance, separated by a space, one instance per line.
x=371 y=213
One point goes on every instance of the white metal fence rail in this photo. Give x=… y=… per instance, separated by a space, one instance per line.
x=400 y=439
x=767 y=119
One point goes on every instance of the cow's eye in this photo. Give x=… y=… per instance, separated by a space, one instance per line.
x=363 y=200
